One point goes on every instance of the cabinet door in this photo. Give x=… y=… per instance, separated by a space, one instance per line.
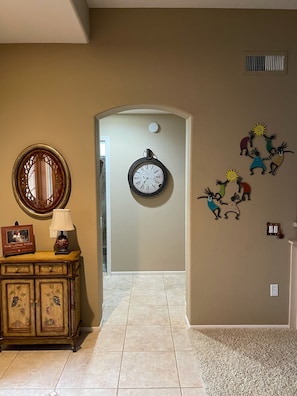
x=52 y=312
x=18 y=307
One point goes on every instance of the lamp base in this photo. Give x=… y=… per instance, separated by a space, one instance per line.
x=62 y=244
x=62 y=251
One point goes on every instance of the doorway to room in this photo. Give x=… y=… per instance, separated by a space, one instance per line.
x=121 y=250
x=104 y=181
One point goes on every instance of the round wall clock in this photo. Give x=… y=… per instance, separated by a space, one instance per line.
x=147 y=176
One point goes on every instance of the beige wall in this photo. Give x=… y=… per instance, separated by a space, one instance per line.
x=147 y=234
x=190 y=60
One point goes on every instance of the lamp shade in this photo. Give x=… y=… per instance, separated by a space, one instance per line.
x=62 y=220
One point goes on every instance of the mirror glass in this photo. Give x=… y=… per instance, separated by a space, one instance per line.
x=41 y=180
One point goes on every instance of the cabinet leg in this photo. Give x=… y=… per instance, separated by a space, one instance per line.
x=75 y=345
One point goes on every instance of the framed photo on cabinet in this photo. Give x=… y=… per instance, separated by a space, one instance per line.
x=17 y=239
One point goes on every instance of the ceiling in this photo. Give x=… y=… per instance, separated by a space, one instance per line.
x=67 y=21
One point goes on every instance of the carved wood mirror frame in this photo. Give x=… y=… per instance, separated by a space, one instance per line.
x=41 y=180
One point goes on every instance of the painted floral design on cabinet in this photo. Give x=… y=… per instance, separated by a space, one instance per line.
x=52 y=316
x=19 y=305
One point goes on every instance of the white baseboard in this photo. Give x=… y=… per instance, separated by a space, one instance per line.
x=146 y=273
x=198 y=327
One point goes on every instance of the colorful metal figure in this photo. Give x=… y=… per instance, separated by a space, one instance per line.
x=232 y=206
x=269 y=146
x=244 y=187
x=276 y=155
x=245 y=142
x=257 y=162
x=279 y=157
x=222 y=191
x=216 y=210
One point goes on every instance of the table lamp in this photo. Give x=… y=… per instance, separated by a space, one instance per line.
x=61 y=222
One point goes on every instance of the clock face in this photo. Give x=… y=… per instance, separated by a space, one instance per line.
x=147 y=177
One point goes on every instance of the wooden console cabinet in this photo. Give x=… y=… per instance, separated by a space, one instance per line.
x=40 y=299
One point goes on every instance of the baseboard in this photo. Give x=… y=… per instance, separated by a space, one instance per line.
x=198 y=327
x=90 y=329
x=146 y=273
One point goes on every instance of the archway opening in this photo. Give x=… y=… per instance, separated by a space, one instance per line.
x=153 y=111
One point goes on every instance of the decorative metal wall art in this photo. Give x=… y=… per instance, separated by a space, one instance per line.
x=274 y=154
x=251 y=146
x=215 y=201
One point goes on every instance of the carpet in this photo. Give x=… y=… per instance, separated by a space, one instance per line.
x=257 y=362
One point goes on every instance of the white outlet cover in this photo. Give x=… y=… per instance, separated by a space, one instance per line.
x=274 y=290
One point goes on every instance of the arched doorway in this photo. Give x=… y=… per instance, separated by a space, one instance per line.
x=149 y=109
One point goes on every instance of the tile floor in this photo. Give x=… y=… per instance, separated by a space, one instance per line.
x=142 y=348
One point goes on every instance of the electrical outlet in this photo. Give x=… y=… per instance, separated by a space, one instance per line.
x=274 y=290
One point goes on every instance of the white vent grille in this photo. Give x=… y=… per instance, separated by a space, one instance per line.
x=266 y=63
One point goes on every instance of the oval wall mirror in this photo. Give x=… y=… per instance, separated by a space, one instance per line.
x=41 y=180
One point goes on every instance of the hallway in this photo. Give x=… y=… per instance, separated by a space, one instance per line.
x=142 y=348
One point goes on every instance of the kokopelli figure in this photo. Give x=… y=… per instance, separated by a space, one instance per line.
x=245 y=142
x=232 y=206
x=279 y=157
x=216 y=210
x=243 y=187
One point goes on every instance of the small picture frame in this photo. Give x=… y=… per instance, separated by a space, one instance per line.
x=18 y=239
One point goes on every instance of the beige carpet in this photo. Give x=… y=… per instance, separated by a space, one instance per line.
x=257 y=362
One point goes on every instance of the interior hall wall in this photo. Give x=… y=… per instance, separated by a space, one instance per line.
x=147 y=233
x=185 y=59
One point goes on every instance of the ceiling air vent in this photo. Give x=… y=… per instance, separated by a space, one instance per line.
x=276 y=63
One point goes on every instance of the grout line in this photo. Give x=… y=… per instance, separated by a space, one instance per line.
x=125 y=333
x=62 y=371
x=11 y=363
x=165 y=289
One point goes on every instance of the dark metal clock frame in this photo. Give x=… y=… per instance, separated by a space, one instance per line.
x=149 y=159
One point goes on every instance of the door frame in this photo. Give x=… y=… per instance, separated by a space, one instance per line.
x=188 y=152
x=106 y=139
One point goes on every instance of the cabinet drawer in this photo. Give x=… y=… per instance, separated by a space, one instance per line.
x=16 y=269
x=50 y=269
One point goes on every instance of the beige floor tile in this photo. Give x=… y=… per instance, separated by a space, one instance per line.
x=176 y=297
x=148 y=370
x=111 y=338
x=27 y=392
x=188 y=370
x=177 y=280
x=181 y=338
x=177 y=315
x=148 y=338
x=117 y=297
x=193 y=392
x=150 y=392
x=6 y=358
x=91 y=370
x=148 y=296
x=146 y=281
x=115 y=316
x=149 y=315
x=35 y=369
x=88 y=340
x=117 y=282
x=87 y=392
